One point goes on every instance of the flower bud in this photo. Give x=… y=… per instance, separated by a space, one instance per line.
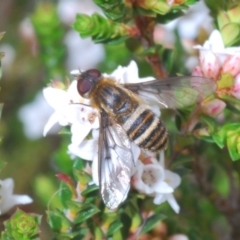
x=214 y=107
x=160 y=7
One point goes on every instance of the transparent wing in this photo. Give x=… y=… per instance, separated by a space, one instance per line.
x=116 y=162
x=177 y=92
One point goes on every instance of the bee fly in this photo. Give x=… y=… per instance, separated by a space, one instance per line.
x=125 y=117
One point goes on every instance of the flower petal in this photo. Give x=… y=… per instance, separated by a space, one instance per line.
x=56 y=98
x=172 y=179
x=22 y=199
x=79 y=132
x=86 y=150
x=173 y=203
x=51 y=122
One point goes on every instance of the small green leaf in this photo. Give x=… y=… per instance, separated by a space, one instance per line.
x=81 y=176
x=233 y=108
x=152 y=221
x=90 y=189
x=98 y=233
x=230 y=100
x=102 y=29
x=65 y=194
x=114 y=226
x=169 y=16
x=58 y=221
x=232 y=147
x=116 y=10
x=88 y=211
x=230 y=34
x=79 y=164
x=211 y=122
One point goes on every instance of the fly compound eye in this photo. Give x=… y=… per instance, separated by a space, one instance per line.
x=94 y=74
x=84 y=86
x=87 y=80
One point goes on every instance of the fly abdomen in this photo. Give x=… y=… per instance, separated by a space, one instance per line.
x=146 y=129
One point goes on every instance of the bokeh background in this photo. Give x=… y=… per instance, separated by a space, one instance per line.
x=40 y=45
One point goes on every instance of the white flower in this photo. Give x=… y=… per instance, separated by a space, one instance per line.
x=216 y=46
x=154 y=180
x=128 y=74
x=37 y=112
x=8 y=199
x=69 y=111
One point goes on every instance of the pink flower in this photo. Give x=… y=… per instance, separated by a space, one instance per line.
x=232 y=65
x=216 y=59
x=210 y=65
x=236 y=87
x=223 y=66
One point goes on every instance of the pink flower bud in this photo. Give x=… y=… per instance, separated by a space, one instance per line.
x=232 y=65
x=214 y=107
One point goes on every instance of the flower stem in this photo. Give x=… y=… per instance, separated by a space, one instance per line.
x=146 y=28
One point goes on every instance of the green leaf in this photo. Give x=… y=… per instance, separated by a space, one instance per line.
x=114 y=226
x=233 y=109
x=116 y=10
x=79 y=164
x=230 y=34
x=58 y=221
x=98 y=233
x=65 y=194
x=102 y=29
x=82 y=177
x=220 y=137
x=90 y=189
x=88 y=211
x=231 y=100
x=232 y=147
x=151 y=222
x=169 y=16
x=211 y=122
